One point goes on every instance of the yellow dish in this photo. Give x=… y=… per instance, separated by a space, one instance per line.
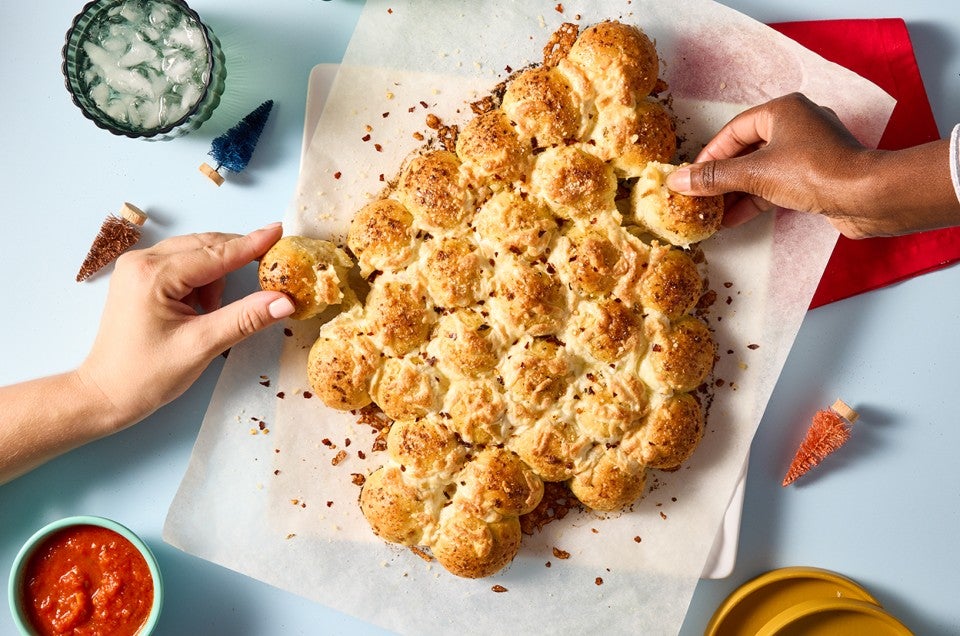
x=845 y=616
x=755 y=603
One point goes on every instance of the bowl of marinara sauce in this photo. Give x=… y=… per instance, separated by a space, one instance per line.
x=85 y=575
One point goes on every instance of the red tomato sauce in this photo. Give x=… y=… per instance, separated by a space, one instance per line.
x=87 y=581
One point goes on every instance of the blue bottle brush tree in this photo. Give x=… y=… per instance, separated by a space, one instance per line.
x=233 y=149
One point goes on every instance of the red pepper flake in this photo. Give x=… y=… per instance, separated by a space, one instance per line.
x=656 y=347
x=663 y=516
x=424 y=104
x=558 y=8
x=382 y=178
x=361 y=454
x=729 y=300
x=411 y=109
x=753 y=347
x=378 y=147
x=276 y=472
x=337 y=175
x=561 y=554
x=548 y=564
x=508 y=68
x=347 y=442
x=365 y=137
x=418 y=136
x=281 y=394
x=307 y=395
x=358 y=479
x=390 y=11
x=499 y=589
x=386 y=114
x=329 y=504
x=637 y=539
x=287 y=331
x=264 y=382
x=598 y=581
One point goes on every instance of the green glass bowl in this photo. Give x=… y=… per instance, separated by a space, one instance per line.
x=75 y=62
x=18 y=570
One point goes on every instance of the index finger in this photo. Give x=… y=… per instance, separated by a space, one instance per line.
x=207 y=263
x=187 y=242
x=744 y=131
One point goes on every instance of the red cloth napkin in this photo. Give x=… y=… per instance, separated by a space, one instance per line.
x=879 y=50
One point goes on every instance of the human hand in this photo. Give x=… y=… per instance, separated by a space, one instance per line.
x=790 y=153
x=153 y=343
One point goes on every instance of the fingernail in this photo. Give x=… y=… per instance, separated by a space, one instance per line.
x=280 y=308
x=272 y=226
x=679 y=180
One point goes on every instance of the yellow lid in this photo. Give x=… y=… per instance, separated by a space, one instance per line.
x=830 y=617
x=751 y=606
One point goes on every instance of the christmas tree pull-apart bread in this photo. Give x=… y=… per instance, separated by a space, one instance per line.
x=530 y=312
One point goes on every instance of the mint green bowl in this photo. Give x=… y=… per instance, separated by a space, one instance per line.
x=17 y=572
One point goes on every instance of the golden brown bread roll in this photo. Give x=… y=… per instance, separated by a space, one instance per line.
x=408 y=388
x=682 y=355
x=609 y=484
x=552 y=448
x=462 y=344
x=497 y=481
x=474 y=548
x=676 y=218
x=516 y=223
x=399 y=316
x=396 y=511
x=542 y=105
x=453 y=272
x=610 y=405
x=670 y=434
x=342 y=362
x=574 y=183
x=672 y=284
x=432 y=189
x=382 y=237
x=476 y=409
x=424 y=447
x=312 y=272
x=620 y=60
x=491 y=150
x=588 y=261
x=610 y=329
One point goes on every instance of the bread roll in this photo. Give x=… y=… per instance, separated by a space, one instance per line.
x=312 y=272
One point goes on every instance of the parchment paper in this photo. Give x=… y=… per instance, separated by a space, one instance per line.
x=262 y=494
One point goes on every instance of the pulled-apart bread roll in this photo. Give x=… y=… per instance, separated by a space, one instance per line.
x=677 y=218
x=311 y=271
x=530 y=311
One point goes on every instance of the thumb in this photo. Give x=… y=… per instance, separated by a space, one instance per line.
x=708 y=178
x=242 y=318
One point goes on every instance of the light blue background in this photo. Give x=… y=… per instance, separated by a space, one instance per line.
x=885 y=511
